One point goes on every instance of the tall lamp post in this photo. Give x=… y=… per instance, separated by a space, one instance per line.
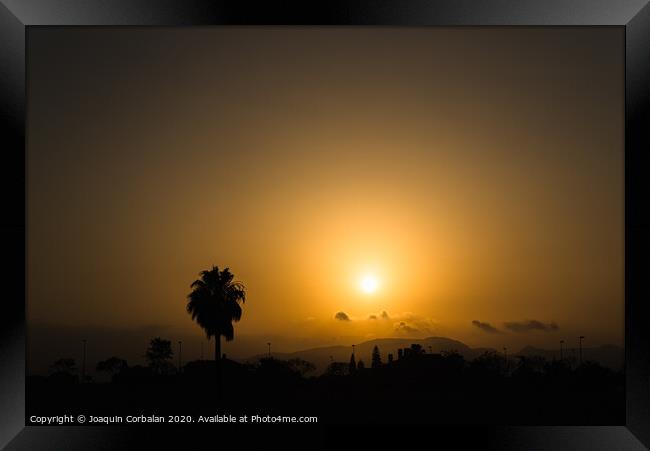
x=269 y=345
x=180 y=353
x=83 y=362
x=580 y=345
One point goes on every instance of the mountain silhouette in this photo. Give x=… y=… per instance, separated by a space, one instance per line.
x=54 y=340
x=322 y=356
x=608 y=355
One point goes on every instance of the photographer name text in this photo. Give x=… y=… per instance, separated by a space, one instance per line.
x=139 y=419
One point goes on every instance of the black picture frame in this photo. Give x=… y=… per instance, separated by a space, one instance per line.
x=18 y=16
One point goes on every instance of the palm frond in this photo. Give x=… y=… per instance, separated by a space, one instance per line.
x=214 y=301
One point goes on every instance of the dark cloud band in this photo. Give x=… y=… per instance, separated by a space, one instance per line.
x=530 y=325
x=486 y=327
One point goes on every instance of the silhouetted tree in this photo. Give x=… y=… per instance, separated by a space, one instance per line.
x=214 y=305
x=336 y=369
x=159 y=354
x=361 y=365
x=111 y=366
x=301 y=366
x=352 y=368
x=63 y=371
x=65 y=366
x=376 y=358
x=390 y=358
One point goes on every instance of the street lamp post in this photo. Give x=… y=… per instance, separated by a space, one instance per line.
x=580 y=345
x=180 y=353
x=269 y=345
x=83 y=363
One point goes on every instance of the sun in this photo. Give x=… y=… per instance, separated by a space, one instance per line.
x=369 y=284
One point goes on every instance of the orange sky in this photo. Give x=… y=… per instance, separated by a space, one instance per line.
x=477 y=173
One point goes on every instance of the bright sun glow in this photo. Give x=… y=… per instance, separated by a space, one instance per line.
x=369 y=284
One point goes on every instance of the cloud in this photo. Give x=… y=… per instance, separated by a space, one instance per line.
x=403 y=327
x=486 y=327
x=342 y=316
x=401 y=323
x=382 y=315
x=530 y=325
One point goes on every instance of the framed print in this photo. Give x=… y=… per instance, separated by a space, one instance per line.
x=392 y=216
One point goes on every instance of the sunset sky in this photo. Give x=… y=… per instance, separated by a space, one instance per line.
x=466 y=181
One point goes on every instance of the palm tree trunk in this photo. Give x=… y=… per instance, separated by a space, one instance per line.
x=217 y=361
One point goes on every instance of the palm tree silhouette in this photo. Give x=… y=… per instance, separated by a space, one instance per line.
x=214 y=305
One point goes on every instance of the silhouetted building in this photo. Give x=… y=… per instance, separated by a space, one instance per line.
x=414 y=350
